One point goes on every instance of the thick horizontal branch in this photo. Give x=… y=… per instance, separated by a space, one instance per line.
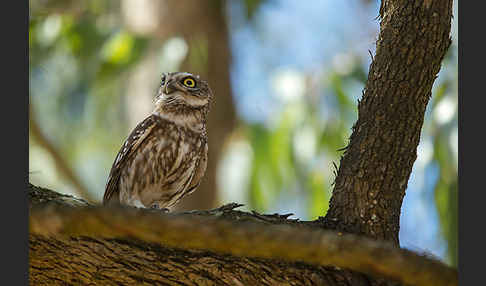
x=244 y=238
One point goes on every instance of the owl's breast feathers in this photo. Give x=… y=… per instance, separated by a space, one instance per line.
x=159 y=162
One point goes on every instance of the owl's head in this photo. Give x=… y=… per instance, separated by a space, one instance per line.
x=183 y=89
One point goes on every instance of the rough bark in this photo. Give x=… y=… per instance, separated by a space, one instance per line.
x=72 y=242
x=374 y=171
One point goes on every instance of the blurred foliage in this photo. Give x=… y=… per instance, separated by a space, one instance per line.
x=444 y=133
x=78 y=54
x=251 y=6
x=298 y=152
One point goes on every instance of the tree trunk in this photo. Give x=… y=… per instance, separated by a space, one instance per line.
x=215 y=66
x=374 y=171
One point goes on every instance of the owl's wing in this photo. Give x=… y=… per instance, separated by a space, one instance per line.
x=200 y=170
x=130 y=146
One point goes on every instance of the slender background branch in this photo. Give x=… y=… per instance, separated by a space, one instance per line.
x=63 y=167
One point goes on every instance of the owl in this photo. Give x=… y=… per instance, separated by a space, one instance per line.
x=164 y=158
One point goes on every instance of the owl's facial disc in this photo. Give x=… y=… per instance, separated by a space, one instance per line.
x=181 y=88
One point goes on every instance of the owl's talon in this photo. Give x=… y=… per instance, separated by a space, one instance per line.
x=156 y=207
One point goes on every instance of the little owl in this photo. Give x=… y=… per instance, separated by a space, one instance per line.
x=165 y=156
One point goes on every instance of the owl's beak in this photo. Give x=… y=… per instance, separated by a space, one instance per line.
x=169 y=87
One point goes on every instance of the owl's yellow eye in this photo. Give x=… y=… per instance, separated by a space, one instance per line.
x=189 y=82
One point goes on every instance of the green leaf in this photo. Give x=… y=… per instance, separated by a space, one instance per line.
x=118 y=48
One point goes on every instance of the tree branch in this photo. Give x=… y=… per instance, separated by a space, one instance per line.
x=376 y=166
x=59 y=161
x=227 y=231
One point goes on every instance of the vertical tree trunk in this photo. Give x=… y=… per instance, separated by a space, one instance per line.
x=374 y=171
x=203 y=25
x=216 y=68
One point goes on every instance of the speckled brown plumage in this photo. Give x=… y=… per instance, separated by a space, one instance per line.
x=165 y=156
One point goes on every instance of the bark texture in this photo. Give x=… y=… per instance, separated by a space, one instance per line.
x=74 y=243
x=90 y=261
x=374 y=171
